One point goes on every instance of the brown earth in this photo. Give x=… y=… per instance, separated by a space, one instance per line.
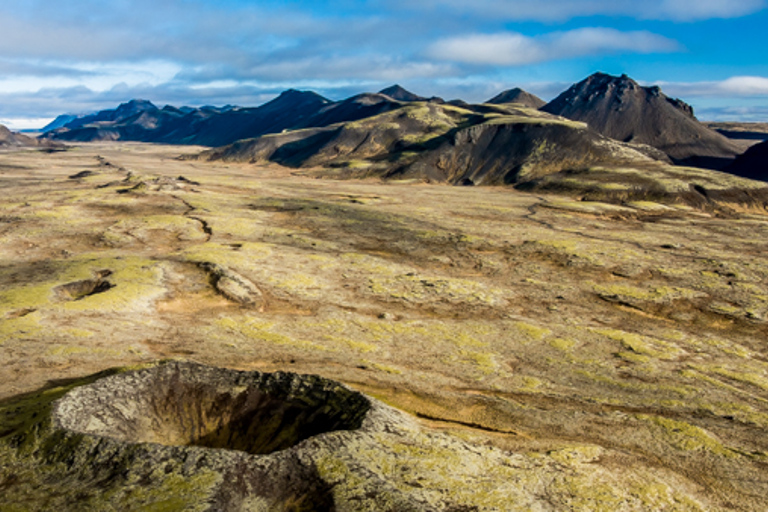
x=601 y=356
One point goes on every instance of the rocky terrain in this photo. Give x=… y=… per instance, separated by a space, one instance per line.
x=620 y=108
x=534 y=350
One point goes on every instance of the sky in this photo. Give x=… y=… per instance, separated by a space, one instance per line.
x=81 y=56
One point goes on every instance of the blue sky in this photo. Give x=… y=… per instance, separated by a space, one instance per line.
x=85 y=55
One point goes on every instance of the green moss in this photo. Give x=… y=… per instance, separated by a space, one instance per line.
x=484 y=361
x=562 y=344
x=642 y=345
x=256 y=330
x=227 y=255
x=24 y=327
x=414 y=288
x=532 y=332
x=687 y=437
x=512 y=119
x=659 y=294
x=356 y=345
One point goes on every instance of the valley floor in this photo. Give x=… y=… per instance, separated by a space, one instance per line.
x=622 y=348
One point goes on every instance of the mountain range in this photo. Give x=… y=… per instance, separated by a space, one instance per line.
x=398 y=132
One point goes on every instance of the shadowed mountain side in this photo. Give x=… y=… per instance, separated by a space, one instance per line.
x=518 y=95
x=753 y=164
x=290 y=108
x=620 y=108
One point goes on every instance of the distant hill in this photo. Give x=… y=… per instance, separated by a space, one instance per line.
x=620 y=108
x=752 y=164
x=398 y=93
x=11 y=139
x=518 y=95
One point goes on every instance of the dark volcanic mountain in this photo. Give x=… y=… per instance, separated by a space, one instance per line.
x=398 y=93
x=620 y=108
x=520 y=96
x=753 y=164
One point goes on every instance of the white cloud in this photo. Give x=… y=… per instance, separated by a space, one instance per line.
x=559 y=10
x=95 y=76
x=513 y=49
x=692 y=10
x=315 y=67
x=736 y=86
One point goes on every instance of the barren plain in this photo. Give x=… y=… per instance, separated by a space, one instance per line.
x=584 y=355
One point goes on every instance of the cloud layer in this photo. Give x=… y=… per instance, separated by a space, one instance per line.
x=513 y=49
x=559 y=10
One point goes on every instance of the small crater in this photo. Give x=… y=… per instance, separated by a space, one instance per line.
x=186 y=404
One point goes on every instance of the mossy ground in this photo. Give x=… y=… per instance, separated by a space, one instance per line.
x=527 y=322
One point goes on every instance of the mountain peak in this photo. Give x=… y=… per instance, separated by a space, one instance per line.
x=620 y=108
x=396 y=92
x=133 y=107
x=295 y=96
x=518 y=95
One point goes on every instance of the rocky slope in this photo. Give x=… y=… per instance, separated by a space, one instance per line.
x=520 y=96
x=620 y=108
